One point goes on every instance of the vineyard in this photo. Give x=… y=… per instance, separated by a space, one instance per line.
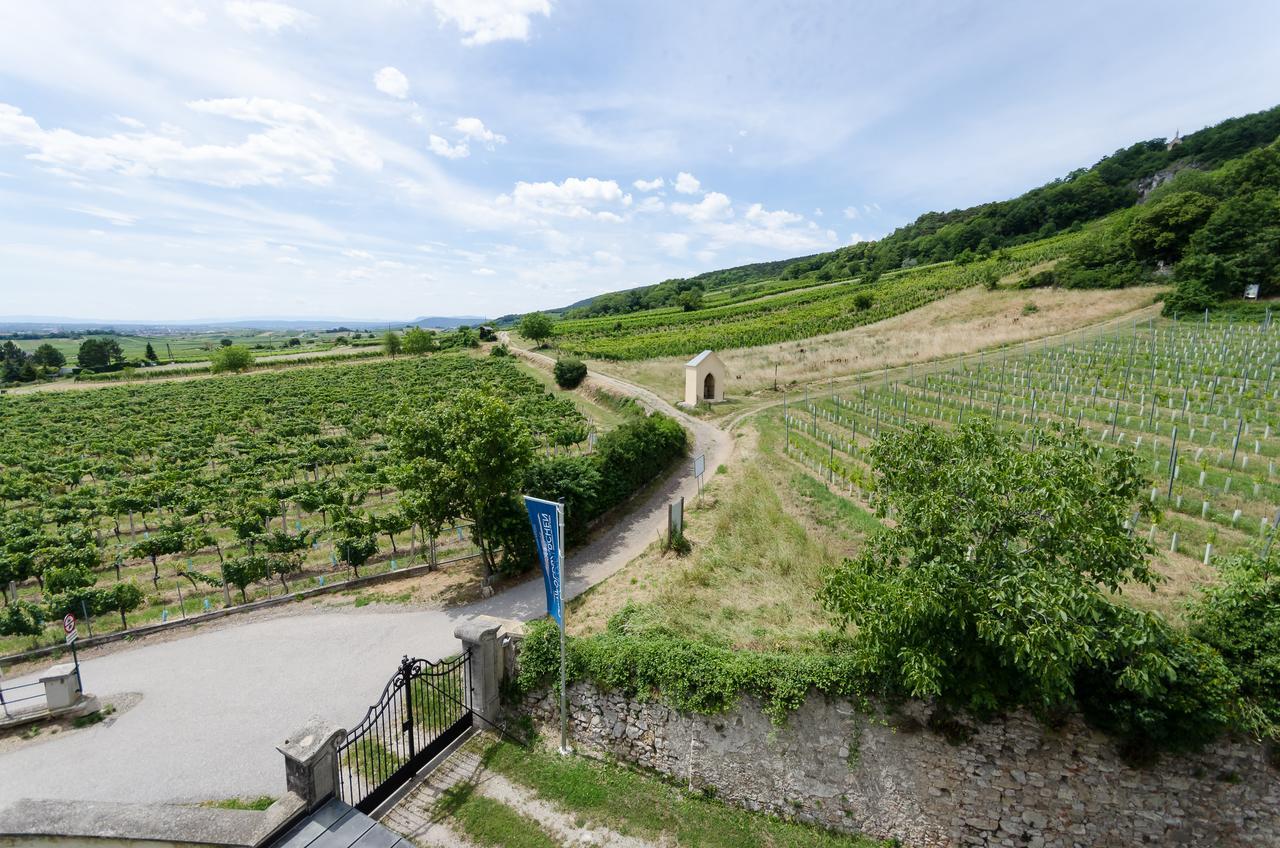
x=1197 y=402
x=168 y=488
x=787 y=310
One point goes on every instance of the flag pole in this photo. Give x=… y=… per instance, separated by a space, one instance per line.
x=564 y=712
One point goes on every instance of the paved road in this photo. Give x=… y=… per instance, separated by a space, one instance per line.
x=214 y=705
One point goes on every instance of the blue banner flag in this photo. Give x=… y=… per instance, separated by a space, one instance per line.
x=547 y=520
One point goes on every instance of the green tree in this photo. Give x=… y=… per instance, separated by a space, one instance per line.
x=992 y=586
x=97 y=353
x=165 y=541
x=21 y=618
x=285 y=552
x=691 y=301
x=151 y=353
x=418 y=340
x=123 y=598
x=226 y=342
x=536 y=327
x=244 y=571
x=231 y=358
x=474 y=451
x=391 y=343
x=1160 y=231
x=48 y=356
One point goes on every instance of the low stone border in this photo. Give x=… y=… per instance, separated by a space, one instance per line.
x=212 y=615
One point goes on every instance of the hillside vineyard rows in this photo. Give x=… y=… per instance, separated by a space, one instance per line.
x=223 y=460
x=786 y=311
x=1199 y=404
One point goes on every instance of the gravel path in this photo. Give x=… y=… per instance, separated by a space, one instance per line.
x=215 y=704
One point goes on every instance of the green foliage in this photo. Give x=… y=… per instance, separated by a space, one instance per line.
x=391 y=344
x=636 y=452
x=48 y=356
x=243 y=571
x=1240 y=618
x=21 y=618
x=991 y=587
x=536 y=327
x=231 y=358
x=150 y=353
x=570 y=372
x=577 y=480
x=690 y=676
x=96 y=353
x=467 y=457
x=59 y=579
x=418 y=340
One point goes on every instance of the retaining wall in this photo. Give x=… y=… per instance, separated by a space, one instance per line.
x=1013 y=783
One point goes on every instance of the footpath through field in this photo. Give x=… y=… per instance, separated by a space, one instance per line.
x=215 y=704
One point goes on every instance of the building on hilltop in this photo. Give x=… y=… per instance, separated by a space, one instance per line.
x=704 y=379
x=1175 y=141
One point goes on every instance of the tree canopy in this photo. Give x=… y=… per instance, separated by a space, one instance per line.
x=536 y=327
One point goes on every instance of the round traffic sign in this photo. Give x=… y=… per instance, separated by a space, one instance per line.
x=69 y=623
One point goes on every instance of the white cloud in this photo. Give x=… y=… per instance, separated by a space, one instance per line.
x=675 y=244
x=757 y=214
x=120 y=219
x=131 y=122
x=574 y=198
x=192 y=17
x=650 y=204
x=391 y=81
x=855 y=238
x=817 y=213
x=649 y=185
x=297 y=142
x=852 y=213
x=357 y=254
x=474 y=128
x=486 y=21
x=265 y=15
x=442 y=147
x=484 y=272
x=712 y=206
x=687 y=183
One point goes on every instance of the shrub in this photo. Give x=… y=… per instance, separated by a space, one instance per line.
x=570 y=372
x=636 y=452
x=231 y=358
x=21 y=618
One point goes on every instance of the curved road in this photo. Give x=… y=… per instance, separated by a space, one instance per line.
x=215 y=704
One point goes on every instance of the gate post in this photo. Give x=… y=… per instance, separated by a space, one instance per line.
x=311 y=761
x=480 y=637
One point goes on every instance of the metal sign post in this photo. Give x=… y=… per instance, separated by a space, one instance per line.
x=699 y=468
x=69 y=628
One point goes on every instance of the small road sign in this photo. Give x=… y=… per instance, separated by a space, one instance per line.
x=69 y=627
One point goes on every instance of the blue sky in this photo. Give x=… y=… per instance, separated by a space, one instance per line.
x=179 y=160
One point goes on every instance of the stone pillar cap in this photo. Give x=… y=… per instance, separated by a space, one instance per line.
x=311 y=740
x=477 y=629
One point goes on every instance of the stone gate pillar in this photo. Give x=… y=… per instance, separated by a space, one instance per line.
x=311 y=761
x=480 y=636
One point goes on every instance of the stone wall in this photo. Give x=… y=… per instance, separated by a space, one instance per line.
x=1013 y=783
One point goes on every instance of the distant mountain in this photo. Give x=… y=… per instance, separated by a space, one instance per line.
x=53 y=323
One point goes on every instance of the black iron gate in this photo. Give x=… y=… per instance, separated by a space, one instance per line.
x=423 y=708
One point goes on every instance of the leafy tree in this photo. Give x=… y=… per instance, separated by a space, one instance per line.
x=226 y=342
x=992 y=586
x=285 y=552
x=392 y=523
x=66 y=578
x=1160 y=231
x=570 y=372
x=418 y=340
x=862 y=301
x=231 y=358
x=536 y=327
x=474 y=451
x=244 y=571
x=98 y=353
x=48 y=356
x=123 y=598
x=391 y=342
x=355 y=543
x=691 y=301
x=151 y=353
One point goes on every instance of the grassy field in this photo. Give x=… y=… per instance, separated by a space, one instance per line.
x=192 y=347
x=957 y=324
x=790 y=312
x=762 y=533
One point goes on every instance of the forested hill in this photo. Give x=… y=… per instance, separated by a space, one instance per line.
x=1081 y=196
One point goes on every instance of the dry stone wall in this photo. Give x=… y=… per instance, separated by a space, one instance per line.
x=1014 y=782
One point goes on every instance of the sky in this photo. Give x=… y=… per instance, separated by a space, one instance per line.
x=166 y=160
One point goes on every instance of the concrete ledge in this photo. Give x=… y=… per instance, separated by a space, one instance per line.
x=44 y=822
x=83 y=706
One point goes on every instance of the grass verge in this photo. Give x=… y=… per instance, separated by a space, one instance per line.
x=491 y=823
